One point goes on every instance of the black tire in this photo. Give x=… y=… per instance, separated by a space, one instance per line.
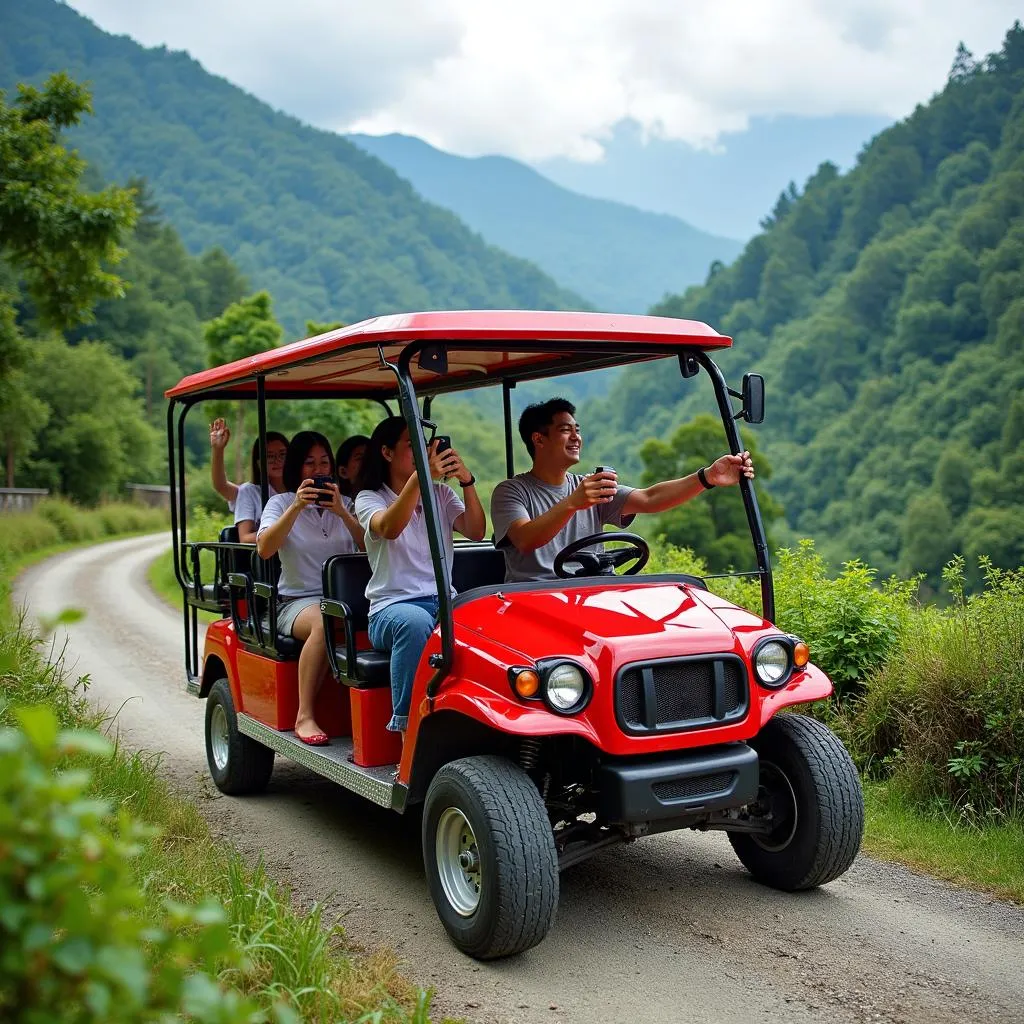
x=516 y=872
x=812 y=784
x=238 y=764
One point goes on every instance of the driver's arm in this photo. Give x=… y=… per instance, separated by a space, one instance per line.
x=527 y=534
x=661 y=496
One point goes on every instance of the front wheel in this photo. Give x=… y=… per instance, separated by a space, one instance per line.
x=238 y=764
x=489 y=856
x=810 y=789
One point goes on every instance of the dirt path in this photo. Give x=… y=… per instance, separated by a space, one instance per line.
x=668 y=929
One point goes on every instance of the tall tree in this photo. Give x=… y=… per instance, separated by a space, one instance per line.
x=58 y=238
x=245 y=329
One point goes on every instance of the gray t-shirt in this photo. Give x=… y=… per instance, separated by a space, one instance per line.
x=402 y=568
x=527 y=497
x=315 y=535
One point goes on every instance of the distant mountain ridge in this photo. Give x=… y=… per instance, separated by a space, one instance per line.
x=618 y=257
x=330 y=231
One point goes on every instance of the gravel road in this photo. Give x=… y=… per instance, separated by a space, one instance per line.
x=667 y=929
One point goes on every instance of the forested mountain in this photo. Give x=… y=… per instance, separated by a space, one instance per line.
x=617 y=257
x=330 y=231
x=886 y=309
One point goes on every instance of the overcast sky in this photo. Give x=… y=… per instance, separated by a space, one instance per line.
x=536 y=79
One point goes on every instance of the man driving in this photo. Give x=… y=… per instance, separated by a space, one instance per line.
x=538 y=513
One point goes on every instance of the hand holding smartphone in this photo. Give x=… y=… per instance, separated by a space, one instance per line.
x=322 y=484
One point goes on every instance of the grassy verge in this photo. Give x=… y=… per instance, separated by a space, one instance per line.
x=291 y=959
x=989 y=858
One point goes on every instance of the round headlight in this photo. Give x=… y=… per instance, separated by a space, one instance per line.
x=771 y=662
x=565 y=687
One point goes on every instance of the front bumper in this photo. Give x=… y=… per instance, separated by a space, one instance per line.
x=635 y=790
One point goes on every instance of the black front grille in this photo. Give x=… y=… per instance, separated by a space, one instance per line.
x=683 y=693
x=684 y=789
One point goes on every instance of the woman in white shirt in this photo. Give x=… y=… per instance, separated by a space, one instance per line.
x=245 y=500
x=304 y=526
x=403 y=589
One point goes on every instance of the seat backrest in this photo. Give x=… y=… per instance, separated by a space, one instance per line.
x=346 y=578
x=232 y=560
x=477 y=565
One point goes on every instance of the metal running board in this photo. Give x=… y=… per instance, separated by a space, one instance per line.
x=333 y=762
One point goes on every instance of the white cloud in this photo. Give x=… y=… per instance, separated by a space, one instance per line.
x=545 y=78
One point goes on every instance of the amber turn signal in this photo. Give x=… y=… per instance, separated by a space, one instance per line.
x=527 y=683
x=801 y=654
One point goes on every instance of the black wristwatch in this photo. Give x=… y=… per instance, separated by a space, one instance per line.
x=702 y=477
x=469 y=482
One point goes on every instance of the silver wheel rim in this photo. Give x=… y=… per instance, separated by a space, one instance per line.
x=781 y=793
x=219 y=736
x=458 y=861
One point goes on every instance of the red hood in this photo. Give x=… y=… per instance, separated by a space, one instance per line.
x=626 y=620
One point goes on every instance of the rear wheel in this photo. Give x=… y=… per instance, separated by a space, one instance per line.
x=238 y=764
x=810 y=787
x=490 y=857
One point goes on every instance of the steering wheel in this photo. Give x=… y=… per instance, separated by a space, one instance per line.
x=602 y=563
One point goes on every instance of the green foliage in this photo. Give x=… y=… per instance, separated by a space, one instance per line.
x=330 y=231
x=713 y=524
x=945 y=714
x=75 y=947
x=851 y=625
x=56 y=521
x=58 y=236
x=883 y=307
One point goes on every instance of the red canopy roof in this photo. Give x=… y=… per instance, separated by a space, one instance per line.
x=504 y=343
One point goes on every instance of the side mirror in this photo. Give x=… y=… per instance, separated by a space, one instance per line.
x=753 y=398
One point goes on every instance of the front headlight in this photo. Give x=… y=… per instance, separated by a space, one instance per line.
x=771 y=663
x=566 y=687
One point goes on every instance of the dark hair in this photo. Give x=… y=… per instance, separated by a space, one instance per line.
x=344 y=453
x=302 y=443
x=537 y=418
x=254 y=461
x=373 y=474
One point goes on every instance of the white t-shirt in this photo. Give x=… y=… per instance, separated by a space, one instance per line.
x=249 y=502
x=315 y=535
x=402 y=569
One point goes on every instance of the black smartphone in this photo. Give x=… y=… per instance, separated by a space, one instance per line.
x=444 y=442
x=323 y=482
x=604 y=469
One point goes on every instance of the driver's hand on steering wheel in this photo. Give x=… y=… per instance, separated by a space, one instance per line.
x=596 y=489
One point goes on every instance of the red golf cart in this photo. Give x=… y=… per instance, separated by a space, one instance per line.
x=548 y=720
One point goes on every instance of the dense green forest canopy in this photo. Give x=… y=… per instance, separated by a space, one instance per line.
x=330 y=231
x=886 y=309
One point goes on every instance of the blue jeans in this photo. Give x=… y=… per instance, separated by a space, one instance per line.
x=403 y=629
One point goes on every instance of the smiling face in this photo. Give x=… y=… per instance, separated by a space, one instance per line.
x=317 y=462
x=561 y=444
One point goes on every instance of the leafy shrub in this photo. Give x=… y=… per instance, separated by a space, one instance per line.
x=74 y=945
x=72 y=523
x=851 y=625
x=741 y=590
x=945 y=714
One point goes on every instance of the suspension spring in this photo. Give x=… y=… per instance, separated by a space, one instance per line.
x=529 y=753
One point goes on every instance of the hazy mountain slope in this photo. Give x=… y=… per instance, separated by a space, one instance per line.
x=618 y=257
x=886 y=309
x=332 y=232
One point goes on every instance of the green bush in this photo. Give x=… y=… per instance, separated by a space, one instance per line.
x=740 y=590
x=851 y=625
x=57 y=521
x=945 y=714
x=74 y=946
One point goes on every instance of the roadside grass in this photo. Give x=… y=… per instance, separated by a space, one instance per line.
x=160 y=576
x=294 y=959
x=989 y=857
